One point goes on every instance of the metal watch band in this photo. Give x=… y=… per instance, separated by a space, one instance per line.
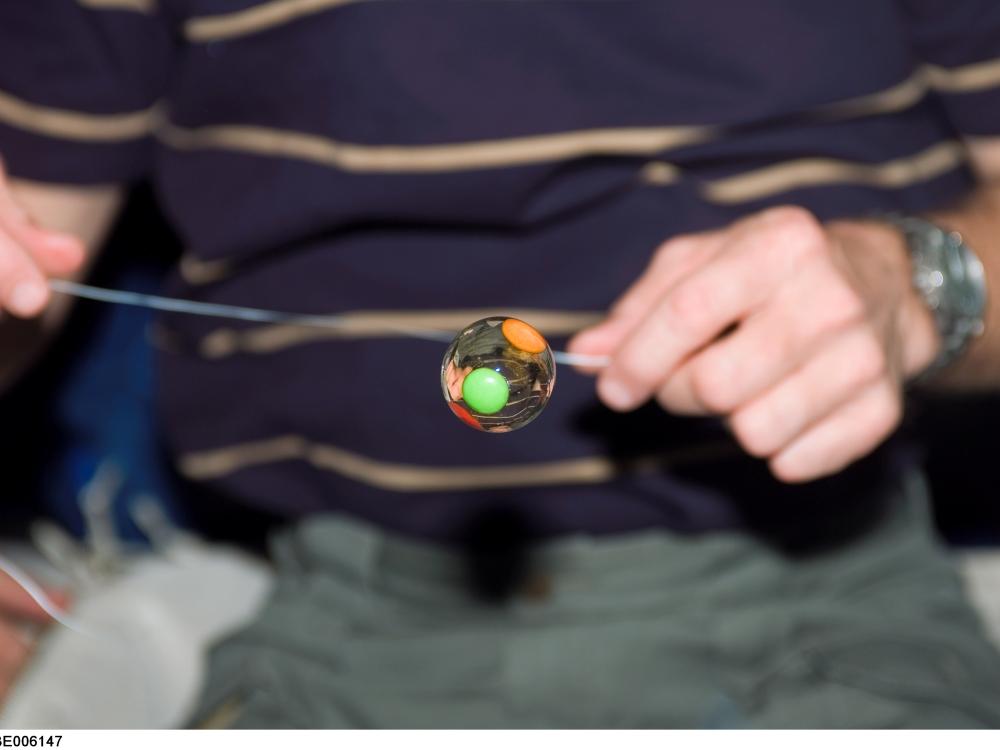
x=950 y=278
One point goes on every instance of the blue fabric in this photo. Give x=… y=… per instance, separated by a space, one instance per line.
x=103 y=411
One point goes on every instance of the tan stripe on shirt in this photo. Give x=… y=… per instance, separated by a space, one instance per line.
x=220 y=462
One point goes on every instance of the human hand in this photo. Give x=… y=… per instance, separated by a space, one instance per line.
x=16 y=610
x=29 y=255
x=801 y=335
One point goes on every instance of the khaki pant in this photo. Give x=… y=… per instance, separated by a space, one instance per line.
x=645 y=630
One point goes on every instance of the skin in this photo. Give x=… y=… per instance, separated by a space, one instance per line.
x=801 y=335
x=46 y=231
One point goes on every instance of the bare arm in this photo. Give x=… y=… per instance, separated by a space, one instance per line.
x=46 y=230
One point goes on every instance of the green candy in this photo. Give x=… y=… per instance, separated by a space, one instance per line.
x=485 y=391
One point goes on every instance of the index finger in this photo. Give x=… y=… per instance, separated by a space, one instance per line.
x=690 y=316
x=674 y=260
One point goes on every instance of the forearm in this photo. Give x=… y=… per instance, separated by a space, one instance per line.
x=84 y=212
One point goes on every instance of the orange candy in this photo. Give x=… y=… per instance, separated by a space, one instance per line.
x=522 y=336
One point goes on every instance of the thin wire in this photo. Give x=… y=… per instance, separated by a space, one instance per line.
x=258 y=315
x=213 y=310
x=37 y=593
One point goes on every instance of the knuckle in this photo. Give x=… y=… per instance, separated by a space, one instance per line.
x=675 y=248
x=712 y=385
x=625 y=307
x=868 y=361
x=679 y=255
x=633 y=367
x=796 y=227
x=839 y=307
x=789 y=471
x=791 y=216
x=687 y=305
x=790 y=238
x=888 y=413
x=674 y=398
x=751 y=428
x=787 y=212
x=780 y=346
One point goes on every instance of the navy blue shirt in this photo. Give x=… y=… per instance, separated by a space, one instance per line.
x=429 y=162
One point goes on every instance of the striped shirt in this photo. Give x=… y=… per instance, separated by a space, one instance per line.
x=431 y=162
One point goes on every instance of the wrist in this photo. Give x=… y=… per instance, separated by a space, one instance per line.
x=882 y=252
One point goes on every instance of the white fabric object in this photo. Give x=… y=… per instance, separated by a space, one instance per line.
x=981 y=572
x=140 y=661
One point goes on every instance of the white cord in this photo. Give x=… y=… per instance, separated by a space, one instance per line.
x=257 y=315
x=581 y=360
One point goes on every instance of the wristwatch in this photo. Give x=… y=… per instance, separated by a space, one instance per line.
x=950 y=278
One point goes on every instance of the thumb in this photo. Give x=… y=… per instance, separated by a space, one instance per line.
x=56 y=253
